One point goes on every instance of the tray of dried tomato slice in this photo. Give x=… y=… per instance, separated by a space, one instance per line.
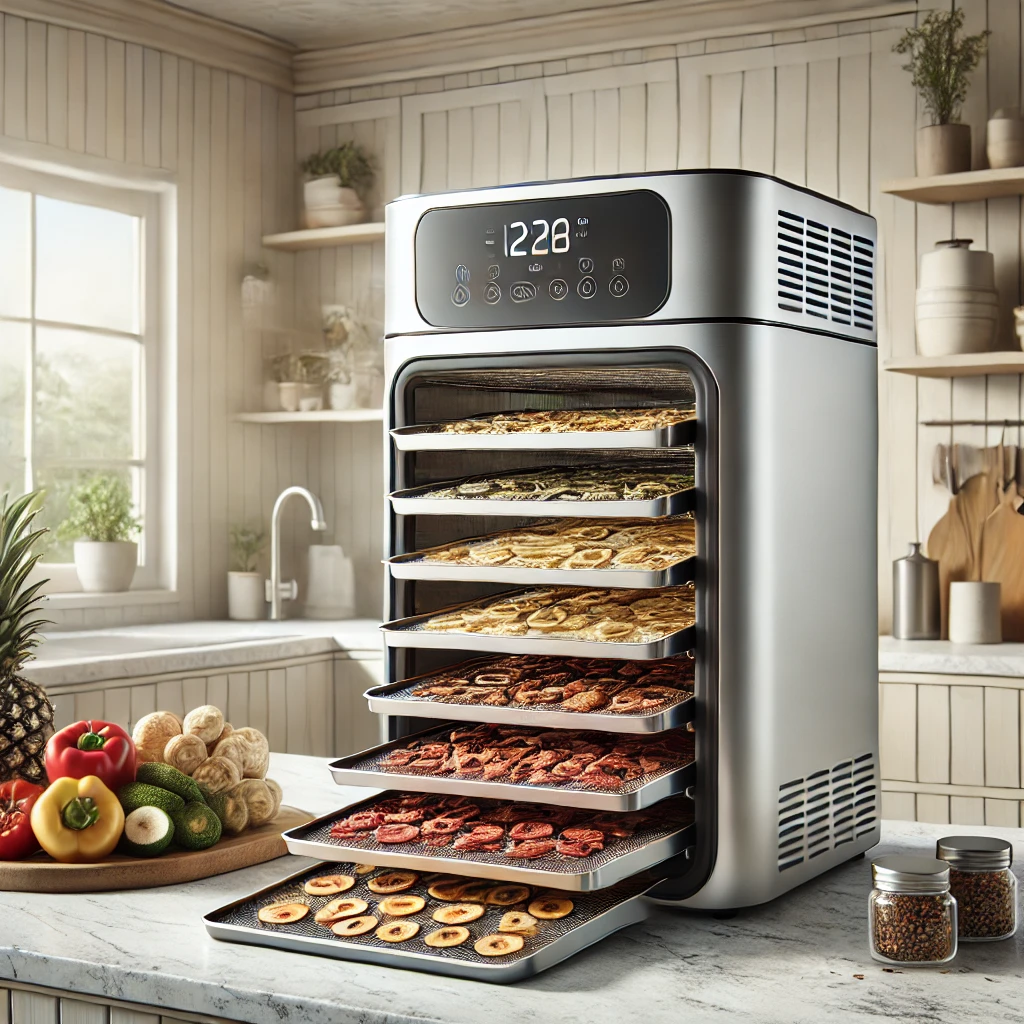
x=599 y=771
x=534 y=844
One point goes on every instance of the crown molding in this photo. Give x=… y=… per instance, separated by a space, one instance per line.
x=171 y=29
x=555 y=36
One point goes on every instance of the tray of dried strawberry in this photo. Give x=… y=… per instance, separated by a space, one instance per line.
x=534 y=844
x=599 y=771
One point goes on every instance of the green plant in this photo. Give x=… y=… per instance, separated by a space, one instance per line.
x=247 y=544
x=349 y=161
x=100 y=509
x=941 y=63
x=26 y=716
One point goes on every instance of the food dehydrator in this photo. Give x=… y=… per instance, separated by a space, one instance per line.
x=693 y=349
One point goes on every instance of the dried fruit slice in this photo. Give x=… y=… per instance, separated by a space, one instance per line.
x=329 y=885
x=397 y=931
x=282 y=913
x=550 y=908
x=364 y=869
x=475 y=891
x=458 y=913
x=401 y=906
x=445 y=937
x=448 y=890
x=337 y=909
x=392 y=881
x=517 y=921
x=499 y=945
x=506 y=895
x=354 y=926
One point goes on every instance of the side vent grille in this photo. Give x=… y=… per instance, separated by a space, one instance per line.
x=826 y=809
x=825 y=272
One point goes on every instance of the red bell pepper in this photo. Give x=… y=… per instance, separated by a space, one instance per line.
x=17 y=839
x=92 y=748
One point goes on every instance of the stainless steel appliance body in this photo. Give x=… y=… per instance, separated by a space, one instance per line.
x=750 y=293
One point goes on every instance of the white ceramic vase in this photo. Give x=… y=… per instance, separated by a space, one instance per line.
x=943 y=149
x=246 y=597
x=341 y=396
x=1004 y=142
x=329 y=205
x=311 y=397
x=288 y=393
x=106 y=567
x=974 y=613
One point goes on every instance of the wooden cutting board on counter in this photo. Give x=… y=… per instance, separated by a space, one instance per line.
x=1002 y=562
x=254 y=846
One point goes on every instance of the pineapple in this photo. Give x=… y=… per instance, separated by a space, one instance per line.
x=26 y=715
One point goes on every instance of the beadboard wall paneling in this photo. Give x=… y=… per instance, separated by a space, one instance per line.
x=304 y=706
x=229 y=143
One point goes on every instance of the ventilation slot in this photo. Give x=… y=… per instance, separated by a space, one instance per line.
x=825 y=272
x=826 y=809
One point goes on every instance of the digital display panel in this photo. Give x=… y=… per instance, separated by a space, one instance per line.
x=583 y=259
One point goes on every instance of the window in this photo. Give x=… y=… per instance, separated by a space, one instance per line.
x=77 y=336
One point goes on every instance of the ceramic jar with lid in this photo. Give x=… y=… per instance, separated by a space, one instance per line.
x=957 y=303
x=1004 y=143
x=983 y=885
x=912 y=916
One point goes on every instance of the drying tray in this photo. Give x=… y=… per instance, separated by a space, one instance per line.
x=397 y=699
x=623 y=858
x=423 y=437
x=364 y=769
x=594 y=917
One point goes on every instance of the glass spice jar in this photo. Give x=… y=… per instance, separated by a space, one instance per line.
x=911 y=912
x=983 y=885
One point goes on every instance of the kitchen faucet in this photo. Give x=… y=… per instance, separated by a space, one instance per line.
x=277 y=592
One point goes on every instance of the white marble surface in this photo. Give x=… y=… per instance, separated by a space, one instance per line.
x=944 y=658
x=129 y=652
x=795 y=960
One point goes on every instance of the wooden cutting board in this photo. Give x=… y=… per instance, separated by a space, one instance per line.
x=254 y=846
x=1002 y=561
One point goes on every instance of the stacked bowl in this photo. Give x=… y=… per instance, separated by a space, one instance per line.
x=957 y=302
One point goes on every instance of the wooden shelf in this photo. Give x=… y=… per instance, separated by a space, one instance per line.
x=965 y=187
x=975 y=365
x=323 y=238
x=323 y=416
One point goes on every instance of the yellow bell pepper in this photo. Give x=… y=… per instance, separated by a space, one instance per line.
x=77 y=821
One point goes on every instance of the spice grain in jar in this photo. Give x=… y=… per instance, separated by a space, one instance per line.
x=983 y=885
x=911 y=913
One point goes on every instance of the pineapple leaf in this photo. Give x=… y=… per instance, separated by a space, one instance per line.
x=19 y=600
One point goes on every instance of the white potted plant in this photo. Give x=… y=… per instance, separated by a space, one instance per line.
x=101 y=523
x=941 y=64
x=246 y=597
x=336 y=180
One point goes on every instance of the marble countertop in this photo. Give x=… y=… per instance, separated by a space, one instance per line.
x=802 y=958
x=127 y=652
x=944 y=658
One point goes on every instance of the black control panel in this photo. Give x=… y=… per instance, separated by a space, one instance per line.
x=583 y=259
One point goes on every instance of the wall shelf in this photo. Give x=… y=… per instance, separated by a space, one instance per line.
x=966 y=187
x=323 y=238
x=978 y=364
x=322 y=416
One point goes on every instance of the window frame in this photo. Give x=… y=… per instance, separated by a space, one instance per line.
x=151 y=573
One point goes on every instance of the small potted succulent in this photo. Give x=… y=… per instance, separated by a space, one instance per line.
x=312 y=367
x=941 y=62
x=336 y=181
x=246 y=597
x=101 y=523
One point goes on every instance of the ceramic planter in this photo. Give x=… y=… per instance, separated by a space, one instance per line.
x=106 y=567
x=311 y=397
x=246 y=597
x=288 y=393
x=1004 y=140
x=341 y=396
x=943 y=149
x=329 y=205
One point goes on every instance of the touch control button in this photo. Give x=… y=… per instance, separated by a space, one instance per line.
x=523 y=291
x=461 y=295
x=493 y=271
x=618 y=286
x=492 y=293
x=462 y=274
x=587 y=288
x=618 y=265
x=558 y=289
x=586 y=265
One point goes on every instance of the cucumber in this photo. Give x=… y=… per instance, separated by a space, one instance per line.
x=148 y=831
x=154 y=773
x=196 y=827
x=139 y=794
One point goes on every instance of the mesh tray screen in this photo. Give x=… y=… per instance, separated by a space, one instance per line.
x=586 y=907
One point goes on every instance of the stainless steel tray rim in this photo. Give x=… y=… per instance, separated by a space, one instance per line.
x=654 y=508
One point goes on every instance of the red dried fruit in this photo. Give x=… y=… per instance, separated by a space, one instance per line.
x=396 y=833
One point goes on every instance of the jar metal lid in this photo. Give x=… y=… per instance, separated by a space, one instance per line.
x=975 y=853
x=905 y=873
